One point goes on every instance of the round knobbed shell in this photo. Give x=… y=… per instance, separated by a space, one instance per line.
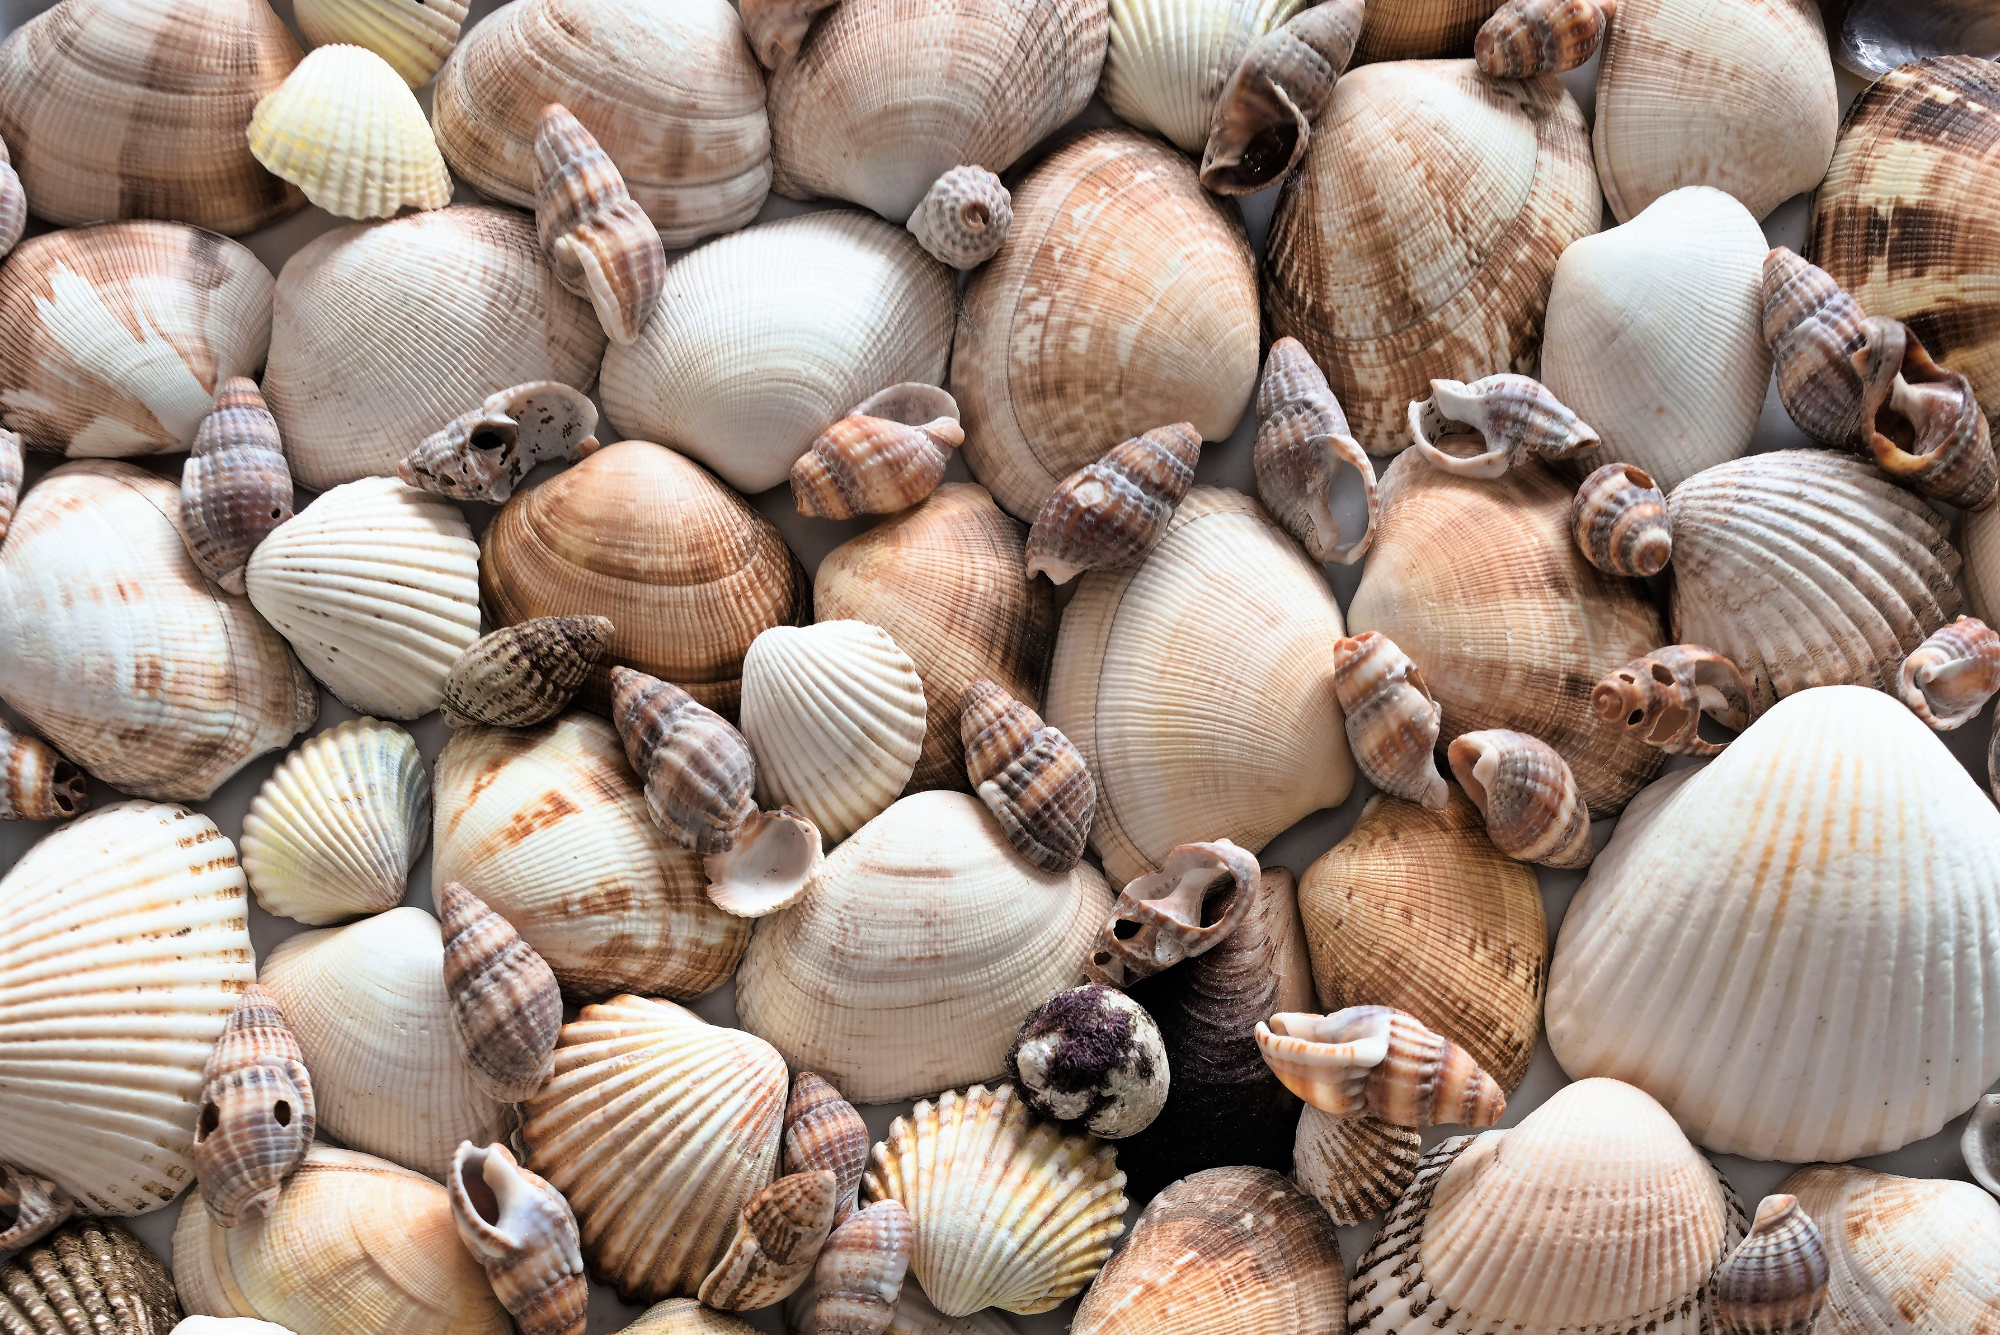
x=521 y=1230
x=823 y=1132
x=505 y=1003
x=235 y=486
x=973 y=1164
x=1091 y=1055
x=778 y=1238
x=30 y=1207
x=1264 y=117
x=1514 y=415
x=1163 y=917
x=680 y=75
x=1525 y=38
x=963 y=219
x=1355 y=1167
x=414 y=36
x=36 y=783
x=354 y=1246
x=482 y=455
x=1952 y=675
x=1662 y=697
x=599 y=241
x=334 y=831
x=257 y=1113
x=345 y=129
x=1111 y=513
x=1392 y=722
x=1392 y=276
x=137 y=109
x=658 y=1128
x=117 y=337
x=1771 y=857
x=1301 y=442
x=1030 y=776
x=860 y=1272
x=122 y=947
x=526 y=673
x=1774 y=1283
x=92 y=1274
x=381 y=331
x=1527 y=794
x=772 y=332
x=886 y=455
x=1381 y=1062
x=687 y=572
x=829 y=980
x=1620 y=521
x=1868 y=571
x=1115 y=245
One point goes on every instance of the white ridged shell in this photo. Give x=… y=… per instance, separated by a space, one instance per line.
x=344 y=128
x=915 y=1315
x=1168 y=59
x=414 y=36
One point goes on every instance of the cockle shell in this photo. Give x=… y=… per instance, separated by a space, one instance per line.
x=885 y=456
x=699 y=771
x=777 y=1240
x=969 y=1165
x=823 y=1132
x=964 y=218
x=1165 y=67
x=1774 y=1283
x=1163 y=917
x=1301 y=442
x=1111 y=513
x=1515 y=416
x=36 y=783
x=1662 y=697
x=1620 y=521
x=860 y=1272
x=832 y=982
x=1391 y=720
x=257 y=1112
x=526 y=673
x=1355 y=1167
x=1091 y=1055
x=1952 y=675
x=483 y=454
x=91 y=1275
x=599 y=241
x=33 y=1207
x=505 y=1003
x=1263 y=119
x=414 y=36
x=117 y=337
x=1382 y=1062
x=334 y=831
x=345 y=129
x=1525 y=38
x=1527 y=794
x=1030 y=776
x=235 y=486
x=658 y=1127
x=521 y=1230
x=124 y=944
x=12 y=469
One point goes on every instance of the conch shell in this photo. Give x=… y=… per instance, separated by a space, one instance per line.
x=235 y=486
x=1382 y=1062
x=886 y=455
x=1620 y=522
x=1302 y=441
x=1030 y=776
x=36 y=783
x=1392 y=722
x=1525 y=790
x=964 y=218
x=1952 y=675
x=482 y=455
x=1662 y=697
x=505 y=1004
x=600 y=243
x=1774 y=1283
x=1526 y=38
x=1162 y=918
x=521 y=1229
x=1264 y=117
x=1111 y=513
x=257 y=1116
x=1514 y=414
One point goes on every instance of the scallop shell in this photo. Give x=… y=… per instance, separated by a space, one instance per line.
x=1770 y=857
x=344 y=128
x=1662 y=697
x=1952 y=675
x=117 y=337
x=1420 y=29
x=505 y=1003
x=36 y=783
x=1301 y=442
x=1774 y=1283
x=257 y=1112
x=1199 y=688
x=235 y=486
x=823 y=1132
x=376 y=587
x=1111 y=513
x=1263 y=120
x=914 y=1315
x=685 y=1316
x=1355 y=1167
x=1166 y=64
x=526 y=673
x=829 y=980
x=863 y=1265
x=599 y=241
x=482 y=454
x=1525 y=38
x=964 y=218
x=115 y=649
x=1030 y=776
x=885 y=456
x=1123 y=298
x=1382 y=1062
x=1091 y=1055
x=1619 y=519
x=973 y=1165
x=414 y=36
x=93 y=1275
x=521 y=1230
x=1527 y=794
x=336 y=828
x=1393 y=276
x=124 y=944
x=1392 y=722
x=769 y=334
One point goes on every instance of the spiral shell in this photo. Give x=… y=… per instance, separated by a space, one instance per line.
x=90 y=1275
x=1091 y=1055
x=963 y=219
x=1301 y=442
x=1950 y=456
x=699 y=771
x=1392 y=722
x=861 y=1269
x=34 y=1207
x=521 y=1230
x=1620 y=521
x=776 y=27
x=36 y=783
x=1355 y=1167
x=600 y=243
x=1382 y=1062
x=483 y=454
x=1774 y=1283
x=1951 y=675
x=1527 y=38
x=526 y=673
x=1515 y=414
x=778 y=1238
x=1030 y=776
x=345 y=128
x=1163 y=917
x=1525 y=790
x=824 y=1132
x=1264 y=117
x=1111 y=513
x=235 y=486
x=886 y=455
x=505 y=1004
x=1662 y=697
x=257 y=1115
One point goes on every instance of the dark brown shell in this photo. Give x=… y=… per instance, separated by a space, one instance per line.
x=236 y=486
x=1029 y=775
x=1262 y=122
x=699 y=772
x=89 y=1277
x=257 y=1119
x=1526 y=38
x=1774 y=1283
x=823 y=1131
x=1662 y=697
x=1111 y=513
x=1302 y=440
x=599 y=242
x=1620 y=521
x=1527 y=794
x=963 y=219
x=36 y=783
x=526 y=673
x=505 y=1002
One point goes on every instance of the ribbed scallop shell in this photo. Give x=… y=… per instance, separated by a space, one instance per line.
x=93 y=1275
x=1009 y=1212
x=414 y=36
x=344 y=128
x=1168 y=59
x=1751 y=888
x=376 y=586
x=1355 y=1167
x=123 y=944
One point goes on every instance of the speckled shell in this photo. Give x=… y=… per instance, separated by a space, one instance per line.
x=964 y=218
x=93 y=1275
x=1525 y=38
x=1263 y=119
x=1420 y=29
x=257 y=1113
x=886 y=455
x=526 y=673
x=522 y=1231
x=1167 y=64
x=484 y=453
x=1382 y=1062
x=1662 y=697
x=1166 y=916
x=1091 y=1055
x=698 y=770
x=414 y=36
x=36 y=783
x=235 y=486
x=599 y=241
x=824 y=1132
x=1355 y=1167
x=1619 y=519
x=1111 y=513
x=778 y=1238
x=1387 y=287
x=344 y=128
x=860 y=1272
x=1527 y=794
x=1391 y=720
x=1952 y=675
x=1301 y=442
x=1030 y=776
x=505 y=1004
x=1774 y=1283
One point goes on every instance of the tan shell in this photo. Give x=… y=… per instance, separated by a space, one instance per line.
x=345 y=129
x=1301 y=442
x=1662 y=697
x=1264 y=117
x=860 y=1272
x=1164 y=917
x=777 y=1240
x=1420 y=29
x=1392 y=722
x=1382 y=1062
x=257 y=1113
x=34 y=1207
x=963 y=219
x=521 y=1230
x=777 y=27
x=599 y=241
x=36 y=783
x=823 y=1132
x=886 y=455
x=12 y=468
x=1952 y=675
x=1355 y=1167
x=685 y=1316
x=235 y=486
x=1513 y=415
x=1167 y=64
x=1525 y=38
x=1111 y=513
x=1774 y=1283
x=1030 y=776
x=414 y=36
x=505 y=1004
x=526 y=673
x=914 y=1315
x=1527 y=794
x=93 y=1274
x=1620 y=522
x=13 y=208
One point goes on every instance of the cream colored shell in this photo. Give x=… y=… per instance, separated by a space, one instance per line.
x=344 y=128
x=1168 y=59
x=1420 y=29
x=414 y=36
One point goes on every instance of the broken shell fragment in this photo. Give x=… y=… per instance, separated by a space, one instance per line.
x=699 y=771
x=1952 y=675
x=522 y=1231
x=773 y=859
x=1030 y=776
x=1515 y=414
x=963 y=219
x=345 y=128
x=600 y=243
x=235 y=486
x=1524 y=788
x=1302 y=441
x=482 y=455
x=860 y=1271
x=30 y=1208
x=505 y=1003
x=1392 y=721
x=1111 y=513
x=1620 y=522
x=1526 y=38
x=257 y=1116
x=823 y=1131
x=1381 y=1062
x=1162 y=918
x=886 y=455
x=1774 y=1283
x=1980 y=1143
x=1092 y=1055
x=1263 y=120
x=1355 y=1167
x=778 y=1238
x=36 y=783
x=526 y=673
x=1662 y=697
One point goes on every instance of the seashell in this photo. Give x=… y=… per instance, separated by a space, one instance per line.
x=885 y=456
x=1654 y=335
x=777 y=27
x=521 y=1230
x=1770 y=857
x=12 y=467
x=1527 y=794
x=1301 y=442
x=685 y=1316
x=257 y=1113
x=118 y=336
x=1162 y=917
x=658 y=1128
x=235 y=486
x=775 y=857
x=1420 y=29
x=32 y=1208
x=482 y=455
x=334 y=831
x=975 y=1164
x=828 y=981
x=1949 y=454
x=963 y=219
x=949 y=581
x=505 y=1004
x=1355 y=1167
x=344 y=128
x=773 y=332
x=1527 y=38
x=1092 y=1055
x=13 y=204
x=414 y=36
x=122 y=947
x=1166 y=67
x=699 y=771
x=1868 y=571
x=380 y=331
x=1113 y=512
x=600 y=243
x=1263 y=119
x=1382 y=1062
x=1597 y=1185
x=227 y=1325
x=36 y=783
x=375 y=585
x=1876 y=38
x=1662 y=697
x=526 y=673
x=1979 y=1143
x=1237 y=1248
x=369 y=1007
x=1385 y=289
x=113 y=111
x=823 y=1132
x=687 y=572
x=1774 y=1283
x=1761 y=127
x=92 y=1274
x=1514 y=415
x=354 y=1245
x=1952 y=675
x=777 y=1242
x=1619 y=518
x=1030 y=776
x=1391 y=720
x=1497 y=635
x=860 y=1272
x=914 y=1315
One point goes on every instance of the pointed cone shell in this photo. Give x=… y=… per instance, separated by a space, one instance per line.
x=1392 y=722
x=36 y=783
x=698 y=770
x=1030 y=776
x=521 y=1230
x=600 y=243
x=1091 y=1055
x=1355 y=1167
x=526 y=673
x=1527 y=794
x=257 y=1112
x=1525 y=38
x=1774 y=1283
x=824 y=1132
x=414 y=36
x=860 y=1272
x=1111 y=513
x=963 y=219
x=235 y=486
x=884 y=457
x=1382 y=1061
x=505 y=1004
x=777 y=1241
x=344 y=128
x=92 y=1273
x=1263 y=120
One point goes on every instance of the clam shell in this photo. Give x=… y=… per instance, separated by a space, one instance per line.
x=1091 y=1055
x=1879 y=35
x=344 y=128
x=914 y=1315
x=12 y=467
x=228 y=1325
x=685 y=1316
x=1978 y=537
x=414 y=36
x=257 y=1111
x=1167 y=62
x=93 y=1275
x=1420 y=29
x=1355 y=1167
x=235 y=486
x=505 y=1004
x=526 y=673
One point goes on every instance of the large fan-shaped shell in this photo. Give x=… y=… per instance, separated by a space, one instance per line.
x=1168 y=60
x=344 y=128
x=1124 y=299
x=766 y=336
x=1418 y=238
x=123 y=944
x=414 y=36
x=1857 y=1021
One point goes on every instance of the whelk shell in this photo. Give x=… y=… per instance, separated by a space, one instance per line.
x=505 y=1004
x=1527 y=794
x=599 y=241
x=36 y=783
x=1774 y=1283
x=414 y=36
x=1952 y=675
x=30 y=1208
x=257 y=1112
x=1162 y=917
x=521 y=1230
x=1515 y=416
x=1165 y=67
x=885 y=456
x=1301 y=442
x=1264 y=118
x=964 y=218
x=1355 y=1167
x=823 y=1132
x=483 y=454
x=1382 y=1062
x=1525 y=38
x=1091 y=1055
x=1030 y=776
x=526 y=673
x=92 y=1274
x=1391 y=720
x=1662 y=697
x=345 y=129
x=699 y=771
x=1619 y=519
x=1111 y=513
x=778 y=1238
x=860 y=1272
x=235 y=486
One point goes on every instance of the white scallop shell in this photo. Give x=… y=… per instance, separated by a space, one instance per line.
x=414 y=36
x=344 y=128
x=376 y=585
x=1169 y=59
x=123 y=946
x=336 y=828
x=835 y=715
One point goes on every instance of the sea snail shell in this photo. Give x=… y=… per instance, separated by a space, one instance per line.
x=600 y=243
x=886 y=455
x=1302 y=439
x=1113 y=512
x=257 y=1114
x=1029 y=775
x=482 y=455
x=1526 y=38
x=36 y=783
x=778 y=1238
x=823 y=1131
x=1158 y=919
x=1524 y=788
x=505 y=1002
x=1663 y=695
x=860 y=1272
x=1774 y=1283
x=236 y=486
x=1392 y=721
x=38 y=1206
x=522 y=1231
x=526 y=673
x=1620 y=521
x=1262 y=123
x=1379 y=1062
x=963 y=219
x=1952 y=675
x=1515 y=413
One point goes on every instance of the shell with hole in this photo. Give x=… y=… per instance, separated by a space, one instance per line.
x=833 y=981
x=1165 y=916
x=1748 y=888
x=1355 y=1167
x=1662 y=697
x=117 y=337
x=884 y=456
x=1420 y=29
x=483 y=453
x=94 y=1274
x=1619 y=520
x=1030 y=776
x=1263 y=119
x=1393 y=274
x=599 y=241
x=521 y=1230
x=257 y=1113
x=383 y=330
x=505 y=1003
x=963 y=219
x=526 y=673
x=1125 y=297
x=36 y=783
x=344 y=128
x=116 y=649
x=1199 y=687
x=235 y=486
x=414 y=36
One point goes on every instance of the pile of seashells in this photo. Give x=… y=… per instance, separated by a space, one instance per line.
x=912 y=938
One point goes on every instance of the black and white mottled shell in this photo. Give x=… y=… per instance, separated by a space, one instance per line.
x=1029 y=775
x=525 y=673
x=505 y=1002
x=1091 y=1055
x=236 y=486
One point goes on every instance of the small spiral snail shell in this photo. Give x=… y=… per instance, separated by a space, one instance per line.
x=1111 y=513
x=824 y=1132
x=860 y=1271
x=1392 y=721
x=38 y=1207
x=1379 y=1062
x=1774 y=1283
x=236 y=486
x=1302 y=440
x=1527 y=794
x=1662 y=697
x=698 y=770
x=1263 y=121
x=36 y=783
x=1527 y=38
x=1029 y=775
x=1516 y=414
x=526 y=673
x=257 y=1120
x=963 y=219
x=886 y=455
x=523 y=1232
x=505 y=1002
x=1949 y=678
x=778 y=1239
x=1619 y=519
x=599 y=241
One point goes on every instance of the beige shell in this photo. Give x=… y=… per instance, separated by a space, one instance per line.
x=1662 y=697
x=483 y=453
x=12 y=468
x=1301 y=442
x=1167 y=64
x=1030 y=776
x=115 y=338
x=599 y=241
x=1263 y=118
x=1420 y=29
x=1774 y=1283
x=778 y=1238
x=1199 y=687
x=1527 y=794
x=521 y=1230
x=1392 y=276
x=93 y=1274
x=1619 y=519
x=257 y=1112
x=13 y=208
x=1164 y=917
x=235 y=486
x=526 y=673
x=414 y=36
x=344 y=128
x=383 y=330
x=1109 y=514
x=1381 y=1062
x=685 y=1316
x=777 y=27
x=506 y=1006
x=1525 y=38
x=1513 y=416
x=1124 y=298
x=964 y=218
x=1952 y=675
x=860 y=1272
x=917 y=952
x=914 y=1315
x=34 y=1207
x=36 y=783
x=116 y=650
x=885 y=456
x=1392 y=722
x=1355 y=1167
x=137 y=108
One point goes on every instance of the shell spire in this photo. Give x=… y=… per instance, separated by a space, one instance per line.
x=505 y=1003
x=1392 y=721
x=35 y=1204
x=777 y=1241
x=36 y=783
x=1111 y=513
x=824 y=1132
x=236 y=486
x=963 y=219
x=1663 y=696
x=860 y=1272
x=1774 y=1283
x=886 y=455
x=1527 y=38
x=523 y=1232
x=1302 y=440
x=1951 y=675
x=1263 y=121
x=526 y=673
x=1029 y=775
x=1515 y=414
x=256 y=1121
x=1619 y=519
x=600 y=243
x=1380 y=1062
x=1163 y=917
x=483 y=454
x=1524 y=788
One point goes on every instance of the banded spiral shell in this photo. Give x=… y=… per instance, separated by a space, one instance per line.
x=1513 y=415
x=1392 y=722
x=36 y=783
x=235 y=486
x=1620 y=521
x=1302 y=440
x=344 y=128
x=526 y=673
x=1263 y=121
x=414 y=36
x=1381 y=1062
x=862 y=1266
x=823 y=1132
x=1111 y=513
x=1952 y=675
x=91 y=1274
x=964 y=218
x=600 y=243
x=257 y=1112
x=521 y=1230
x=505 y=1003
x=483 y=453
x=1030 y=776
x=1525 y=38
x=1774 y=1283
x=885 y=456
x=778 y=1239
x=1527 y=794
